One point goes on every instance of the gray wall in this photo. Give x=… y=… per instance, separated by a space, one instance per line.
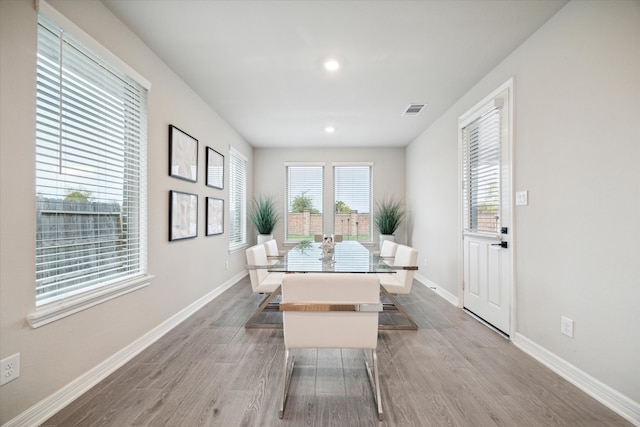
x=388 y=177
x=55 y=354
x=577 y=151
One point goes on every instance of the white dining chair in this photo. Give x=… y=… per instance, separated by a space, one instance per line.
x=388 y=251
x=400 y=282
x=273 y=253
x=262 y=281
x=337 y=310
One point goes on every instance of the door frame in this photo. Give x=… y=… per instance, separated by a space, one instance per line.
x=473 y=111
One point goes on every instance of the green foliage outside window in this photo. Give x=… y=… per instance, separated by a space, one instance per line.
x=303 y=203
x=342 y=208
x=78 y=196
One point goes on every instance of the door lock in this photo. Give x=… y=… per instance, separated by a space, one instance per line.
x=503 y=245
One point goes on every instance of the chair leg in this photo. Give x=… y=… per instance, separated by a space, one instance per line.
x=286 y=381
x=265 y=303
x=377 y=378
x=374 y=380
x=412 y=326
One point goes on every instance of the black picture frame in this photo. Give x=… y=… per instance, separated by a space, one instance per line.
x=183 y=215
x=183 y=155
x=215 y=216
x=215 y=169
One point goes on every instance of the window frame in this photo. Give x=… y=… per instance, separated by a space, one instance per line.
x=73 y=301
x=237 y=201
x=502 y=99
x=368 y=165
x=482 y=181
x=287 y=201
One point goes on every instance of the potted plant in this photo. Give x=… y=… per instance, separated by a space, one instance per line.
x=389 y=214
x=264 y=216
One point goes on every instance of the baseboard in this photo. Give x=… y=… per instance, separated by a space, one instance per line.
x=52 y=404
x=448 y=296
x=609 y=397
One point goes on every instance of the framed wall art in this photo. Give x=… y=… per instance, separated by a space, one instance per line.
x=183 y=215
x=215 y=216
x=183 y=155
x=215 y=169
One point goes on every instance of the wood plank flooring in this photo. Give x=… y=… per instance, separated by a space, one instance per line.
x=453 y=371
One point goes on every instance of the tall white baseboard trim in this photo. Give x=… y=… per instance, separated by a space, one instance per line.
x=453 y=299
x=609 y=397
x=52 y=404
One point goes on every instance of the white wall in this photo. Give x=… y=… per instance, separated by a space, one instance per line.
x=55 y=354
x=388 y=177
x=577 y=151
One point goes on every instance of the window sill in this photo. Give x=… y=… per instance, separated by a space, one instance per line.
x=238 y=248
x=58 y=310
x=483 y=235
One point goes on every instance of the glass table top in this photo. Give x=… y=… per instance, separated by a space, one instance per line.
x=347 y=257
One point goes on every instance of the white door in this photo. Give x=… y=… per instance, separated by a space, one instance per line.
x=487 y=218
x=487 y=281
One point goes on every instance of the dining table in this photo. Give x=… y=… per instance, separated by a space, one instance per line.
x=348 y=256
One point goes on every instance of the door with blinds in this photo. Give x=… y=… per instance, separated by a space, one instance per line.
x=487 y=217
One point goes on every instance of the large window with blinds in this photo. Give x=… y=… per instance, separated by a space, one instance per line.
x=482 y=172
x=352 y=201
x=237 y=200
x=90 y=167
x=304 y=189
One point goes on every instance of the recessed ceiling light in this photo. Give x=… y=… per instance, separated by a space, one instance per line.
x=329 y=129
x=331 y=64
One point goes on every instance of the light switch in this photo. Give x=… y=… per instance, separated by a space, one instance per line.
x=522 y=198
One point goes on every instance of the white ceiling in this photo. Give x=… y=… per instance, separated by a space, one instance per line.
x=258 y=64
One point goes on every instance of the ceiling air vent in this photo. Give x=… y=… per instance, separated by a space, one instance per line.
x=413 y=109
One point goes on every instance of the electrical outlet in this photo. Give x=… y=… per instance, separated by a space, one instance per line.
x=425 y=263
x=566 y=326
x=9 y=368
x=226 y=265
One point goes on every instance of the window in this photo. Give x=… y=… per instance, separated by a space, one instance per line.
x=352 y=202
x=237 y=200
x=91 y=131
x=482 y=183
x=304 y=201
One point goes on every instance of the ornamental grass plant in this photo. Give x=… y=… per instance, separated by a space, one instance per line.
x=264 y=214
x=389 y=214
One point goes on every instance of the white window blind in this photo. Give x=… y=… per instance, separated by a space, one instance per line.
x=237 y=199
x=91 y=132
x=482 y=173
x=352 y=202
x=304 y=187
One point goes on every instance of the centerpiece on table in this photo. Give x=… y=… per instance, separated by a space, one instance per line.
x=327 y=247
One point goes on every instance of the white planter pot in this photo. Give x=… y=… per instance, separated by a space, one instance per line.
x=264 y=237
x=384 y=237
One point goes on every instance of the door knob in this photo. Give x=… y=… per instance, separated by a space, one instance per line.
x=504 y=245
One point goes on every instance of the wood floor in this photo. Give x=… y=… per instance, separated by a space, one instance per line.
x=211 y=371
